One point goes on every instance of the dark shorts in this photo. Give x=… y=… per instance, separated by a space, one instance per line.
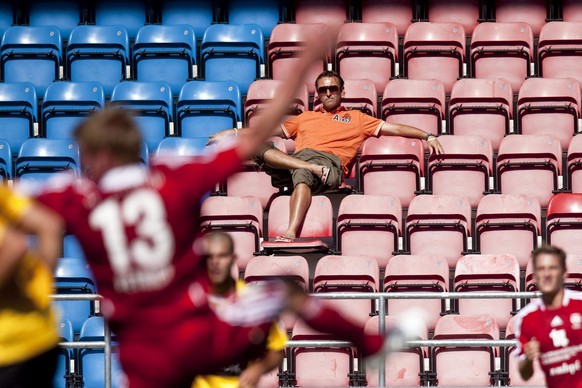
x=282 y=178
x=38 y=372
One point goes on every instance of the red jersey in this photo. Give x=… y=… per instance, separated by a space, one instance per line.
x=559 y=332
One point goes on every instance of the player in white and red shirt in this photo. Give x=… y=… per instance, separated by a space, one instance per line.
x=550 y=328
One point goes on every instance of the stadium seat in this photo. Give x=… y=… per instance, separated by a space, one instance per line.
x=285 y=45
x=152 y=105
x=72 y=247
x=99 y=53
x=62 y=14
x=463 y=12
x=198 y=14
x=508 y=224
x=571 y=11
x=481 y=107
x=530 y=165
x=417 y=273
x=369 y=225
x=165 y=53
x=462 y=169
x=180 y=146
x=455 y=366
x=398 y=12
x=66 y=104
x=391 y=165
x=330 y=12
x=6 y=15
x=31 y=54
x=358 y=95
x=537 y=380
x=559 y=50
x=438 y=225
x=232 y=53
x=485 y=273
x=241 y=218
x=6 y=170
x=367 y=51
x=563 y=222
x=549 y=107
x=502 y=50
x=39 y=159
x=532 y=12
x=130 y=14
x=574 y=165
x=264 y=13
x=434 y=51
x=207 y=107
x=18 y=113
x=65 y=356
x=251 y=182
x=420 y=103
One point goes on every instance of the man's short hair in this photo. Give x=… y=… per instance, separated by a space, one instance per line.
x=549 y=250
x=113 y=130
x=330 y=74
x=221 y=236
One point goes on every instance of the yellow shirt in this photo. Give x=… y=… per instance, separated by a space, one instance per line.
x=27 y=323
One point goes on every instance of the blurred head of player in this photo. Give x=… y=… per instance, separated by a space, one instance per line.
x=220 y=258
x=549 y=264
x=107 y=139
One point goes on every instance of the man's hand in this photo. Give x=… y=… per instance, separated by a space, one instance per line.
x=532 y=349
x=434 y=146
x=249 y=378
x=218 y=136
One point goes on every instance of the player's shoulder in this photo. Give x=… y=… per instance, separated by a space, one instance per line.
x=573 y=296
x=530 y=309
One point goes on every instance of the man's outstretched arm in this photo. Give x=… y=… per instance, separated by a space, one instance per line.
x=391 y=129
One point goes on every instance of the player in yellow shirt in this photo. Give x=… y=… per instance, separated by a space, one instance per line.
x=224 y=288
x=28 y=331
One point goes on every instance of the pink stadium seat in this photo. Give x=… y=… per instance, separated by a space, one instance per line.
x=482 y=273
x=464 y=12
x=262 y=91
x=402 y=368
x=456 y=366
x=367 y=51
x=571 y=11
x=532 y=12
x=502 y=50
x=369 y=225
x=422 y=273
x=530 y=165
x=548 y=106
x=330 y=12
x=463 y=169
x=438 y=225
x=574 y=165
x=537 y=380
x=391 y=165
x=241 y=218
x=563 y=222
x=508 y=224
x=481 y=107
x=559 y=50
x=420 y=103
x=284 y=49
x=435 y=51
x=359 y=94
x=398 y=12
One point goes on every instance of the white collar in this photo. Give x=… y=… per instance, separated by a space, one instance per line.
x=123 y=177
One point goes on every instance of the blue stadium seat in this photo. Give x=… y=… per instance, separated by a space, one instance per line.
x=6 y=17
x=38 y=159
x=206 y=107
x=232 y=52
x=181 y=146
x=130 y=14
x=197 y=14
x=152 y=104
x=72 y=247
x=165 y=53
x=98 y=53
x=18 y=113
x=65 y=15
x=31 y=54
x=5 y=161
x=66 y=104
x=264 y=13
x=65 y=355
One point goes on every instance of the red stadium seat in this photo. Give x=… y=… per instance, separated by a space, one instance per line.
x=330 y=12
x=464 y=12
x=559 y=50
x=532 y=12
x=563 y=222
x=537 y=380
x=397 y=12
x=359 y=94
x=574 y=165
x=571 y=11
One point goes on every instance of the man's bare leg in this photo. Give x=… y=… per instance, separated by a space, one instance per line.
x=298 y=206
x=278 y=159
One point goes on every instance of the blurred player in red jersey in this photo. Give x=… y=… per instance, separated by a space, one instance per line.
x=550 y=328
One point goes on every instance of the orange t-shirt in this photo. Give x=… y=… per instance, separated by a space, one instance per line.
x=339 y=133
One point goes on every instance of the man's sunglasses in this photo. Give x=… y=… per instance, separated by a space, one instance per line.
x=333 y=89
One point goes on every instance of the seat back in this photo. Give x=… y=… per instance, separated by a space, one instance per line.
x=318 y=221
x=463 y=12
x=128 y=13
x=179 y=146
x=263 y=13
x=38 y=159
x=198 y=14
x=64 y=355
x=574 y=163
x=262 y=91
x=557 y=50
x=18 y=113
x=562 y=219
x=346 y=273
x=398 y=12
x=62 y=14
x=332 y=13
x=526 y=11
x=6 y=169
x=261 y=268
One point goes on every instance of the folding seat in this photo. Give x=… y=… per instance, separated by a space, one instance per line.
x=435 y=51
x=420 y=103
x=66 y=104
x=463 y=12
x=6 y=15
x=152 y=105
x=502 y=50
x=549 y=107
x=574 y=165
x=165 y=53
x=264 y=13
x=31 y=54
x=39 y=159
x=484 y=273
x=367 y=51
x=481 y=107
x=563 y=222
x=391 y=165
x=315 y=234
x=455 y=366
x=232 y=53
x=286 y=44
x=571 y=11
x=398 y=12
x=530 y=165
x=180 y=146
x=18 y=113
x=359 y=95
x=99 y=53
x=511 y=365
x=5 y=161
x=65 y=356
x=417 y=273
x=532 y=12
x=438 y=225
x=62 y=14
x=463 y=169
x=130 y=14
x=560 y=51
x=508 y=224
x=197 y=14
x=369 y=225
x=241 y=218
x=330 y=12
x=207 y=107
